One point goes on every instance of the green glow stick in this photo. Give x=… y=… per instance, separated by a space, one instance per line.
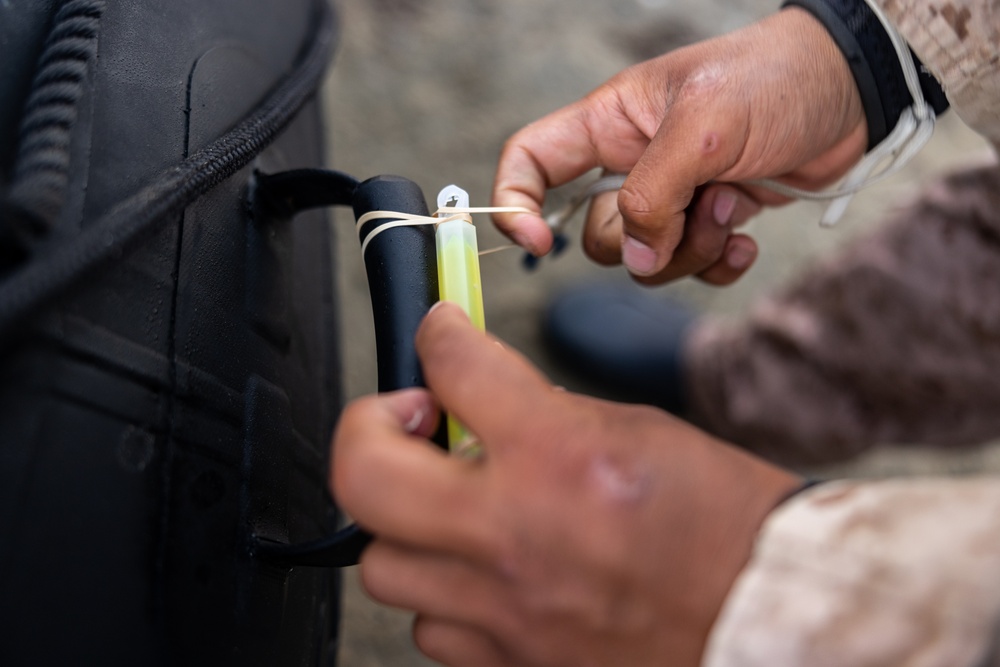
x=459 y=282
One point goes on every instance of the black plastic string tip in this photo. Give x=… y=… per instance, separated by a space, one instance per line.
x=559 y=244
x=529 y=262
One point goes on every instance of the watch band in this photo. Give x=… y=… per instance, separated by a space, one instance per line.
x=872 y=58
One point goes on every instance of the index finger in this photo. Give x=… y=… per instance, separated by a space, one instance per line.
x=399 y=485
x=543 y=155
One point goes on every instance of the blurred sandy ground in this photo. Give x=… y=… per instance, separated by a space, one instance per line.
x=430 y=89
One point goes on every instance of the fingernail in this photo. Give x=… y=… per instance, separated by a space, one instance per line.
x=739 y=257
x=723 y=207
x=415 y=421
x=638 y=257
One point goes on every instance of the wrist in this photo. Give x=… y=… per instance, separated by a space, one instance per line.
x=873 y=61
x=748 y=489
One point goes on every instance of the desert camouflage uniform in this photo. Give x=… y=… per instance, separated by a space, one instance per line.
x=894 y=339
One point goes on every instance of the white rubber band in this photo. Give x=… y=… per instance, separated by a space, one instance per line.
x=397 y=219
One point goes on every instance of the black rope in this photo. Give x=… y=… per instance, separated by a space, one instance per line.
x=41 y=169
x=142 y=214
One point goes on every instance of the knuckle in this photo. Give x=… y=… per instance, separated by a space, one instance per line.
x=516 y=143
x=706 y=81
x=635 y=206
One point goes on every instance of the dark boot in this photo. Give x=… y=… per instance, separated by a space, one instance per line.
x=626 y=340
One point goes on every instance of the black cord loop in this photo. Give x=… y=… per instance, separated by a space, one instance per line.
x=122 y=228
x=41 y=169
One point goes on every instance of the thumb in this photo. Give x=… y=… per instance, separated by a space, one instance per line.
x=702 y=136
x=489 y=388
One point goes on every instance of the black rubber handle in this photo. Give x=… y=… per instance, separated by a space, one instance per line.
x=402 y=278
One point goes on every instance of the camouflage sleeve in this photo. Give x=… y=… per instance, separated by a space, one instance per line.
x=870 y=573
x=958 y=41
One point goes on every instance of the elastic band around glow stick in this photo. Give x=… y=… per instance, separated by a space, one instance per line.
x=410 y=220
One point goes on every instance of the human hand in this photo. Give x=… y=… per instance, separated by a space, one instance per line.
x=773 y=100
x=589 y=533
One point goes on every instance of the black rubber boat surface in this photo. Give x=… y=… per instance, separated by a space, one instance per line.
x=169 y=376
